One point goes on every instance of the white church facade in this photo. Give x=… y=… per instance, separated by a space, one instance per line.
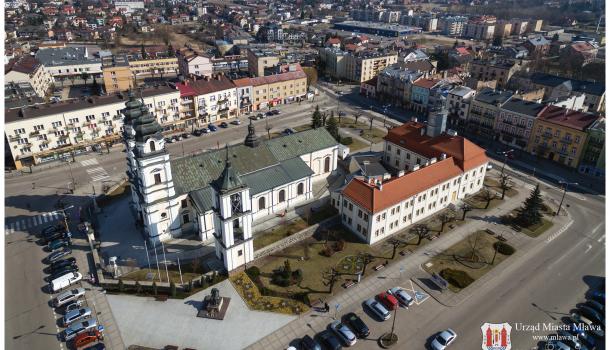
x=220 y=194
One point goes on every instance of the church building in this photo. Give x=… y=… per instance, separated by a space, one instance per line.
x=221 y=194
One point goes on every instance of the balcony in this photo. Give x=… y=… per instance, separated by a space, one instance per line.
x=184 y=102
x=14 y=138
x=117 y=117
x=567 y=140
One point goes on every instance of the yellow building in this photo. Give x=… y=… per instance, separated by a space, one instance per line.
x=154 y=67
x=365 y=65
x=116 y=73
x=559 y=134
x=286 y=87
x=259 y=59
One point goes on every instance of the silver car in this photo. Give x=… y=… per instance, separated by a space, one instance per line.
x=403 y=297
x=75 y=315
x=377 y=308
x=444 y=339
x=343 y=332
x=79 y=327
x=68 y=296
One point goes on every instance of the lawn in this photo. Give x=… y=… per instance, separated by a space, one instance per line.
x=140 y=275
x=478 y=201
x=495 y=184
x=288 y=228
x=357 y=145
x=251 y=295
x=537 y=229
x=459 y=257
x=363 y=128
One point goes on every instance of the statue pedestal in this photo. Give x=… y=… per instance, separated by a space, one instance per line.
x=215 y=313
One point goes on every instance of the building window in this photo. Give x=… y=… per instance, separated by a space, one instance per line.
x=300 y=188
x=326 y=164
x=261 y=203
x=359 y=213
x=282 y=196
x=350 y=207
x=184 y=203
x=152 y=146
x=240 y=253
x=185 y=219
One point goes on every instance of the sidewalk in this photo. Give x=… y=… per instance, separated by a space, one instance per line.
x=392 y=275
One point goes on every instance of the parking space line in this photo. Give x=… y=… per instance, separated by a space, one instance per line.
x=17 y=226
x=45 y=217
x=39 y=219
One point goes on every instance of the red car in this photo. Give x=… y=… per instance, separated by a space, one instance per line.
x=388 y=300
x=87 y=338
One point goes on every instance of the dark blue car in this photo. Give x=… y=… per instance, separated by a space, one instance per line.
x=212 y=127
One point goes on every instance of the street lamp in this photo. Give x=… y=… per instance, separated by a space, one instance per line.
x=505 y=154
x=565 y=189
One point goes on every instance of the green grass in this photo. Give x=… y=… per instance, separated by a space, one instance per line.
x=495 y=184
x=484 y=251
x=357 y=145
x=537 y=229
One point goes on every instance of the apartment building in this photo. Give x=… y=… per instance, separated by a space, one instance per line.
x=394 y=85
x=484 y=110
x=335 y=62
x=260 y=58
x=593 y=160
x=280 y=88
x=500 y=71
x=117 y=75
x=420 y=93
x=503 y=29
x=515 y=122
x=560 y=134
x=191 y=63
x=453 y=25
x=46 y=132
x=67 y=65
x=365 y=65
x=479 y=30
x=216 y=99
x=434 y=170
x=457 y=104
x=28 y=69
x=244 y=95
x=154 y=67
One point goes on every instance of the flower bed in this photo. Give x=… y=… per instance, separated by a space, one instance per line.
x=250 y=293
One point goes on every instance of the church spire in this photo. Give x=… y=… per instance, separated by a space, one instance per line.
x=145 y=124
x=251 y=140
x=229 y=180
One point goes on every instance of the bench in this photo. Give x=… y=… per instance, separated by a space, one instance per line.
x=348 y=284
x=378 y=267
x=402 y=253
x=161 y=297
x=489 y=231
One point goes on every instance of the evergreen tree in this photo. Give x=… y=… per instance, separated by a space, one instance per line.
x=316 y=119
x=333 y=127
x=144 y=55
x=531 y=212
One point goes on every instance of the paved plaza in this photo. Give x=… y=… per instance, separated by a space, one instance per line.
x=146 y=322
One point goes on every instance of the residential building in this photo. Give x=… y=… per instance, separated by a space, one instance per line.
x=593 y=160
x=432 y=171
x=155 y=67
x=244 y=90
x=369 y=88
x=335 y=62
x=282 y=88
x=193 y=64
x=260 y=58
x=479 y=30
x=453 y=25
x=365 y=65
x=426 y=22
x=515 y=122
x=68 y=65
x=18 y=95
x=241 y=186
x=484 y=110
x=394 y=85
x=579 y=53
x=458 y=104
x=503 y=29
x=129 y=6
x=216 y=99
x=556 y=87
x=420 y=93
x=500 y=71
x=28 y=69
x=381 y=29
x=47 y=132
x=117 y=75
x=537 y=46
x=560 y=135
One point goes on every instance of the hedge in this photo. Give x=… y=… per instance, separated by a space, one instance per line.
x=504 y=248
x=458 y=278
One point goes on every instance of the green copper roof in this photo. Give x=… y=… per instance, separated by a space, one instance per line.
x=300 y=143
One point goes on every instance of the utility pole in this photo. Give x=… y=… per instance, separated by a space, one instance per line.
x=180 y=270
x=565 y=189
x=165 y=261
x=505 y=154
x=157 y=259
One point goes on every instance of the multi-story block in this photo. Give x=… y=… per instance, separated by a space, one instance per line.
x=453 y=25
x=560 y=134
x=479 y=30
x=335 y=62
x=515 y=122
x=365 y=65
x=458 y=104
x=154 y=67
x=434 y=170
x=420 y=93
x=46 y=132
x=116 y=73
x=394 y=85
x=216 y=99
x=593 y=158
x=272 y=90
x=500 y=71
x=260 y=58
x=244 y=95
x=28 y=69
x=69 y=65
x=191 y=63
x=484 y=110
x=503 y=29
x=556 y=87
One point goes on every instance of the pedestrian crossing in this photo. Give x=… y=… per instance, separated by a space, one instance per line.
x=97 y=173
x=89 y=162
x=31 y=222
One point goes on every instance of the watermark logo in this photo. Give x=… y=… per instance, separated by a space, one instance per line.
x=496 y=336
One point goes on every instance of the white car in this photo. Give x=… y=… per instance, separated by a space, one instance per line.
x=378 y=309
x=444 y=339
x=343 y=332
x=403 y=297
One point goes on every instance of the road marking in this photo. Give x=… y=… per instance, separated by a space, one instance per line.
x=601 y=238
x=558 y=233
x=597 y=227
x=588 y=248
x=89 y=162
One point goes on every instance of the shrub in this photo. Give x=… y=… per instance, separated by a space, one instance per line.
x=340 y=245
x=346 y=140
x=138 y=288
x=458 y=278
x=172 y=287
x=154 y=288
x=297 y=276
x=121 y=286
x=253 y=272
x=504 y=248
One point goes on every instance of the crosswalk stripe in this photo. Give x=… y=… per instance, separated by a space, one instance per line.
x=99 y=178
x=88 y=162
x=6 y=230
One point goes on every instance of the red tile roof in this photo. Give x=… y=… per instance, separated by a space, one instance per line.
x=412 y=136
x=567 y=117
x=186 y=90
x=25 y=64
x=426 y=82
x=216 y=83
x=242 y=82
x=582 y=46
x=398 y=189
x=333 y=41
x=276 y=78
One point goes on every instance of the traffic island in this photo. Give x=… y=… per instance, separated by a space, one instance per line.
x=387 y=340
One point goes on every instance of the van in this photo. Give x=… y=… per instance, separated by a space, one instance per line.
x=68 y=296
x=65 y=281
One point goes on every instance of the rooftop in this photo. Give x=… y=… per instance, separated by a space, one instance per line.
x=523 y=107
x=567 y=117
x=65 y=56
x=493 y=97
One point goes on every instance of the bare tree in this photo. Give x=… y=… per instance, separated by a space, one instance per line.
x=366 y=258
x=371 y=118
x=356 y=116
x=488 y=196
x=422 y=231
x=465 y=209
x=505 y=184
x=445 y=219
x=395 y=244
x=329 y=278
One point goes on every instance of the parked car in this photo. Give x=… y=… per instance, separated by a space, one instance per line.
x=288 y=131
x=569 y=339
x=56 y=235
x=253 y=117
x=185 y=135
x=169 y=140
x=79 y=327
x=75 y=315
x=65 y=281
x=58 y=255
x=88 y=338
x=61 y=272
x=236 y=122
x=205 y=130
x=260 y=116
x=388 y=300
x=61 y=263
x=444 y=339
x=68 y=296
x=377 y=308
x=403 y=297
x=58 y=244
x=592 y=314
x=52 y=228
x=197 y=132
x=489 y=166
x=73 y=305
x=308 y=343
x=330 y=341
x=224 y=125
x=343 y=332
x=586 y=338
x=178 y=137
x=599 y=296
x=212 y=127
x=597 y=306
x=356 y=323
x=275 y=111
x=591 y=326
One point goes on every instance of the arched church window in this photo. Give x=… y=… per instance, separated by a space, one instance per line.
x=300 y=188
x=326 y=164
x=282 y=196
x=261 y=203
x=152 y=146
